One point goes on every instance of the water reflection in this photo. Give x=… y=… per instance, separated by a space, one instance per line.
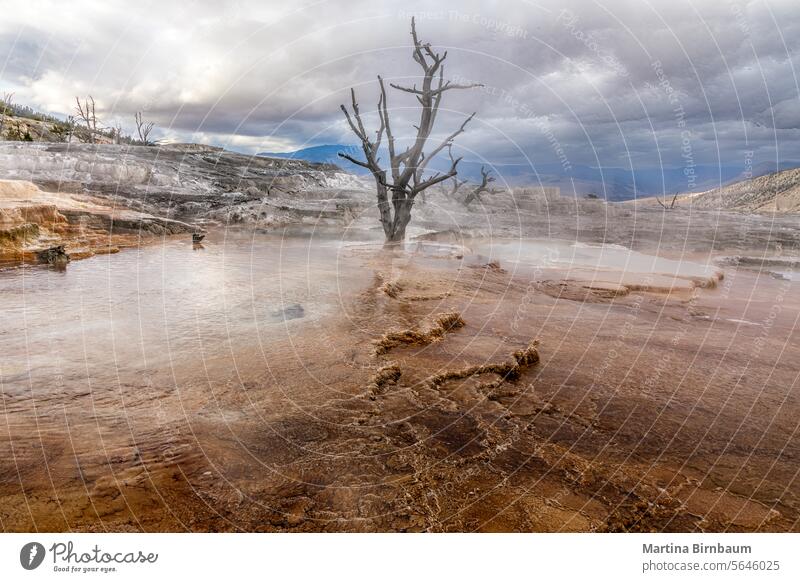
x=148 y=308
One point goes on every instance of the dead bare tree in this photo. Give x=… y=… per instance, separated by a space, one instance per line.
x=7 y=108
x=664 y=204
x=116 y=132
x=70 y=127
x=455 y=183
x=86 y=112
x=143 y=128
x=486 y=179
x=405 y=177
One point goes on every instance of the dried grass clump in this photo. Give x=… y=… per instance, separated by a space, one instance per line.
x=392 y=289
x=448 y=322
x=705 y=282
x=443 y=295
x=509 y=370
x=385 y=376
x=443 y=324
x=494 y=265
x=490 y=266
x=528 y=356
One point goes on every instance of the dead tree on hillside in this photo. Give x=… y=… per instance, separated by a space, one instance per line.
x=86 y=112
x=486 y=179
x=116 y=133
x=143 y=128
x=405 y=176
x=7 y=109
x=664 y=204
x=70 y=127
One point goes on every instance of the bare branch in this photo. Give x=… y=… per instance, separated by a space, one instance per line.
x=456 y=183
x=486 y=179
x=448 y=141
x=446 y=87
x=357 y=114
x=384 y=122
x=143 y=128
x=418 y=54
x=8 y=102
x=8 y=108
x=357 y=126
x=350 y=122
x=438 y=177
x=406 y=89
x=664 y=204
x=86 y=112
x=394 y=162
x=117 y=132
x=351 y=159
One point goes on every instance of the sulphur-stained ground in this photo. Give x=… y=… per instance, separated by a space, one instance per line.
x=430 y=389
x=33 y=220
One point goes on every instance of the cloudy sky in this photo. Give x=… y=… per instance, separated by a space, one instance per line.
x=616 y=83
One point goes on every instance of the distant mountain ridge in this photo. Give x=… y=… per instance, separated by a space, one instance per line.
x=609 y=183
x=325 y=154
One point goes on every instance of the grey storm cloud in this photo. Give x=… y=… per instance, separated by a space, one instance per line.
x=605 y=82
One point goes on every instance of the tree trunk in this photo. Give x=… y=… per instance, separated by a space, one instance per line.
x=395 y=214
x=402 y=216
x=384 y=207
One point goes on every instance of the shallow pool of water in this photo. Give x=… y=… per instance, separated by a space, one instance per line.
x=143 y=308
x=565 y=255
x=113 y=317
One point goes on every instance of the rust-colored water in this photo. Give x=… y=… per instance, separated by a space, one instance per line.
x=230 y=388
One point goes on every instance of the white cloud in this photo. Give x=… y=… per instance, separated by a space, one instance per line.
x=270 y=75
